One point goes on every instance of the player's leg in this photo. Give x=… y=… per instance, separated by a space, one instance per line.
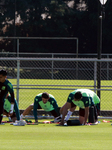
x=5 y=113
x=17 y=113
x=54 y=113
x=72 y=109
x=81 y=115
x=1 y=112
x=97 y=111
x=98 y=108
x=77 y=122
x=58 y=119
x=27 y=111
x=13 y=117
x=62 y=108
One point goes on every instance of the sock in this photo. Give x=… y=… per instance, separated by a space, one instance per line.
x=68 y=115
x=21 y=117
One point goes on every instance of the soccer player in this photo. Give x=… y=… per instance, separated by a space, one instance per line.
x=15 y=118
x=5 y=87
x=7 y=106
x=43 y=101
x=84 y=99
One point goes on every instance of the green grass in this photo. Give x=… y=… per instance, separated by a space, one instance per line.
x=26 y=96
x=53 y=137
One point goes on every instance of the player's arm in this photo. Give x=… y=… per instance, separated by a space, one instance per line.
x=11 y=91
x=66 y=107
x=12 y=104
x=55 y=106
x=86 y=104
x=86 y=114
x=35 y=109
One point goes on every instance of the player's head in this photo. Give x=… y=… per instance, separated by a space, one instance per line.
x=45 y=97
x=77 y=96
x=3 y=74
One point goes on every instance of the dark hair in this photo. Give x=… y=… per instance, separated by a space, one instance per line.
x=45 y=95
x=78 y=95
x=3 y=72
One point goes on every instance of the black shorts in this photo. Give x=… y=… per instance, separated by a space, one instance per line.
x=73 y=105
x=81 y=111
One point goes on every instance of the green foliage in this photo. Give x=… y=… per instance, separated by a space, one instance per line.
x=54 y=18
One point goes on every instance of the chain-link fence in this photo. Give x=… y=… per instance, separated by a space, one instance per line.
x=59 y=77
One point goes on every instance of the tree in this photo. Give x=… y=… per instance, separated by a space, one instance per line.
x=54 y=18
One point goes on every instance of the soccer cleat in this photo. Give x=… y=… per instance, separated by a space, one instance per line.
x=57 y=119
x=20 y=123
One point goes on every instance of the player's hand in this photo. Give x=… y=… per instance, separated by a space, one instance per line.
x=87 y=124
x=10 y=113
x=61 y=123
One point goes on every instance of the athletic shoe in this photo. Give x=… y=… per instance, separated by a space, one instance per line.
x=2 y=123
x=57 y=119
x=11 y=123
x=65 y=123
x=16 y=121
x=20 y=123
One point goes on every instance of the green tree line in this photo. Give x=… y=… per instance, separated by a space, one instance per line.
x=54 y=18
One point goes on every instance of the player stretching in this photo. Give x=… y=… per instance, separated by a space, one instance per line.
x=15 y=118
x=5 y=87
x=84 y=99
x=43 y=101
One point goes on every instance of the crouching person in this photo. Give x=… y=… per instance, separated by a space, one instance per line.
x=85 y=99
x=47 y=102
x=15 y=118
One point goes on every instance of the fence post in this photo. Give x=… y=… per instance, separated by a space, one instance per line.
x=18 y=68
x=52 y=66
x=95 y=75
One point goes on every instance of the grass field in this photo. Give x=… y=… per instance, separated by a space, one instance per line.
x=53 y=137
x=60 y=89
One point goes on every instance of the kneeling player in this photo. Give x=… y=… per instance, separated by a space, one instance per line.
x=43 y=101
x=84 y=98
x=16 y=115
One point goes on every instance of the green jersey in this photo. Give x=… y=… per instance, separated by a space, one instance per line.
x=89 y=98
x=4 y=89
x=7 y=106
x=49 y=106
